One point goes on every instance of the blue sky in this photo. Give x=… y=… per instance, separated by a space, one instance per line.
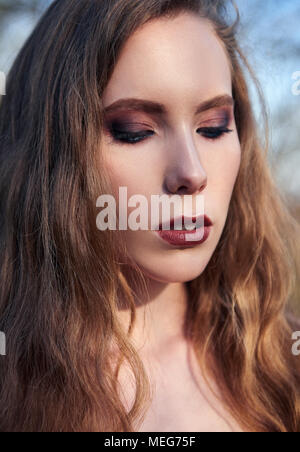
x=271 y=22
x=271 y=40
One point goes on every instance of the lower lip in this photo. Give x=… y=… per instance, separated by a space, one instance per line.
x=180 y=238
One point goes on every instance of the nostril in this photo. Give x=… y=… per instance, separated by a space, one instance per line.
x=203 y=186
x=182 y=190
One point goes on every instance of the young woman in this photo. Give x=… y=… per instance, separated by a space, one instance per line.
x=134 y=330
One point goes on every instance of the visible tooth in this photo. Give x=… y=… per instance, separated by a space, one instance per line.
x=190 y=227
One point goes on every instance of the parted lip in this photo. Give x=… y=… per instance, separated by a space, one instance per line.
x=205 y=219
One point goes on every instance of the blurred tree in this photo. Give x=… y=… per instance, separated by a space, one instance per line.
x=17 y=19
x=270 y=36
x=9 y=6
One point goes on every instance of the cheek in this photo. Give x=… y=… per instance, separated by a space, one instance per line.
x=123 y=173
x=223 y=168
x=140 y=174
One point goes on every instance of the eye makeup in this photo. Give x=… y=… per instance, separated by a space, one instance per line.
x=216 y=117
x=216 y=126
x=128 y=127
x=131 y=128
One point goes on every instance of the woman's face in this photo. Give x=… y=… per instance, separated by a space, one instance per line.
x=175 y=150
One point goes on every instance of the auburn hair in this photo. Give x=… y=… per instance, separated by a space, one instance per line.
x=61 y=278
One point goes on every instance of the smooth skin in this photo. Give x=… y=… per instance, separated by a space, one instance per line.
x=180 y=64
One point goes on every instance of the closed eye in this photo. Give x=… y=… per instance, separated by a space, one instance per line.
x=213 y=133
x=125 y=137
x=130 y=137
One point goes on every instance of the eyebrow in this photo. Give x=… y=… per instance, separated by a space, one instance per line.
x=158 y=109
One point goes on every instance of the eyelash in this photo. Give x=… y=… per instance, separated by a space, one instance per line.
x=210 y=133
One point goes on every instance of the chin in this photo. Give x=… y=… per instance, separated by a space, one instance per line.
x=174 y=273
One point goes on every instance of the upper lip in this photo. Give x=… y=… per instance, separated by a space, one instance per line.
x=165 y=226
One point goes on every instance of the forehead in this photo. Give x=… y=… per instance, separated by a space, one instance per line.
x=171 y=59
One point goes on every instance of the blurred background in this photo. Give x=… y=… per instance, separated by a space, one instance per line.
x=270 y=37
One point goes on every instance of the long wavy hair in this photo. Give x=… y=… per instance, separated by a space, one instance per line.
x=61 y=278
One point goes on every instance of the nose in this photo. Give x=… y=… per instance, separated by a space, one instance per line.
x=185 y=174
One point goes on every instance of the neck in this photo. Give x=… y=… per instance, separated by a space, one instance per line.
x=160 y=315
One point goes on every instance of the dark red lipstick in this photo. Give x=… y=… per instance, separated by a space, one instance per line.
x=186 y=237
